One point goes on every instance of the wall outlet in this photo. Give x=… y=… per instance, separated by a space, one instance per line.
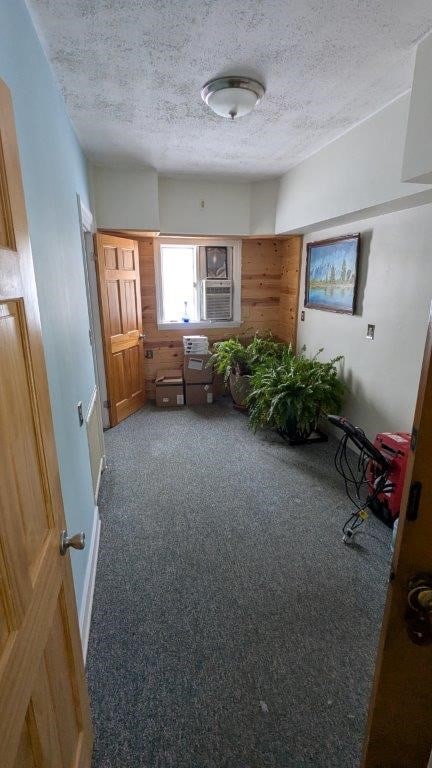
x=80 y=413
x=148 y=354
x=302 y=315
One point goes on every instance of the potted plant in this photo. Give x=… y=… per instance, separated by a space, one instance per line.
x=291 y=393
x=230 y=359
x=236 y=361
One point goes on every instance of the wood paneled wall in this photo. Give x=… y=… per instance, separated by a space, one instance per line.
x=289 y=287
x=270 y=270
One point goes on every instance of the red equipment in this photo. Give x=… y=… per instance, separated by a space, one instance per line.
x=394 y=446
x=380 y=468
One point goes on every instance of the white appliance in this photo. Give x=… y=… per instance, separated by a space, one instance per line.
x=216 y=303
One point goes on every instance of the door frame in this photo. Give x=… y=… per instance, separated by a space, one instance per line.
x=88 y=229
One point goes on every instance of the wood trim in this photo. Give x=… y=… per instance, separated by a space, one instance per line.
x=290 y=289
x=134 y=233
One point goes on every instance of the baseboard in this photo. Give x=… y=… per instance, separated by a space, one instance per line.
x=102 y=466
x=89 y=583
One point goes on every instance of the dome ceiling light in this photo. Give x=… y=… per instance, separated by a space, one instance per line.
x=232 y=96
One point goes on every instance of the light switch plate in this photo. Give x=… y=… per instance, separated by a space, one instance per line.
x=370 y=333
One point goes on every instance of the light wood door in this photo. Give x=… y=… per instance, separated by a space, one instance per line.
x=44 y=711
x=399 y=731
x=120 y=304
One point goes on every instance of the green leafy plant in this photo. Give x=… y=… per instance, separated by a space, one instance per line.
x=263 y=350
x=236 y=360
x=291 y=393
x=238 y=357
x=230 y=356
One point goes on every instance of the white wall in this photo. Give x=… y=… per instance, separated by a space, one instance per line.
x=355 y=176
x=226 y=209
x=125 y=198
x=54 y=171
x=395 y=294
x=417 y=164
x=263 y=204
x=182 y=205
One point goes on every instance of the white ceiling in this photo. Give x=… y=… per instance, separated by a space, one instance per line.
x=131 y=74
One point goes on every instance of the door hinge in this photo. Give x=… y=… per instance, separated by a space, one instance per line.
x=107 y=403
x=413 y=501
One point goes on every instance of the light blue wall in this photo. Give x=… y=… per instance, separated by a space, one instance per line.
x=54 y=171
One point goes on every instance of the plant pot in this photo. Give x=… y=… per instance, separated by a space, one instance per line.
x=239 y=388
x=291 y=430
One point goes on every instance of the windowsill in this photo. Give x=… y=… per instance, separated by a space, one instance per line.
x=202 y=324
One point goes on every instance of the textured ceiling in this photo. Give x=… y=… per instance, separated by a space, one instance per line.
x=131 y=72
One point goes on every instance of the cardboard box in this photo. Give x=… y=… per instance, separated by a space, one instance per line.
x=169 y=389
x=195 y=369
x=199 y=394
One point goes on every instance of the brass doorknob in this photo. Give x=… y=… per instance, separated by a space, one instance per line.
x=77 y=541
x=418 y=615
x=141 y=336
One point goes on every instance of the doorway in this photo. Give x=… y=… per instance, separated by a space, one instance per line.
x=95 y=334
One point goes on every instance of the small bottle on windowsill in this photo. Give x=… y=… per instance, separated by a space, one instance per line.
x=185 y=316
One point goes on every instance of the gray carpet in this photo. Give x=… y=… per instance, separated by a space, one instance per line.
x=231 y=627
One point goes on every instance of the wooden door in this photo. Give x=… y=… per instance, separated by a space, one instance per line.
x=44 y=711
x=120 y=304
x=399 y=731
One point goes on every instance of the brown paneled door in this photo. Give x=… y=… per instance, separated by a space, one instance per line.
x=120 y=304
x=399 y=732
x=44 y=711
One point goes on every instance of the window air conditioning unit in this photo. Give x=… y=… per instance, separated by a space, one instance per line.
x=216 y=299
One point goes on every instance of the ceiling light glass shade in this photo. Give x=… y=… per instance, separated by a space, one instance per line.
x=232 y=97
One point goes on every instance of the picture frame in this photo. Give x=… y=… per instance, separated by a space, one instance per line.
x=217 y=261
x=332 y=268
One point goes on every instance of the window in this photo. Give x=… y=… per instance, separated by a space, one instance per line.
x=179 y=280
x=197 y=282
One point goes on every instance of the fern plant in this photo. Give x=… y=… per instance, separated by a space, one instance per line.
x=230 y=356
x=290 y=394
x=234 y=356
x=263 y=350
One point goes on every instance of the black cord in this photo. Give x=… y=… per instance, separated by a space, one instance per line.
x=355 y=479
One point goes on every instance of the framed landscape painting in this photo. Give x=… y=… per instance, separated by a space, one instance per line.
x=331 y=274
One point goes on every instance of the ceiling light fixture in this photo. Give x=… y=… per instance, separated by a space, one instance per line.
x=232 y=96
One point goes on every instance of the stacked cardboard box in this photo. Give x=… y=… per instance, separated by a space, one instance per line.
x=169 y=389
x=198 y=376
x=195 y=345
x=199 y=394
